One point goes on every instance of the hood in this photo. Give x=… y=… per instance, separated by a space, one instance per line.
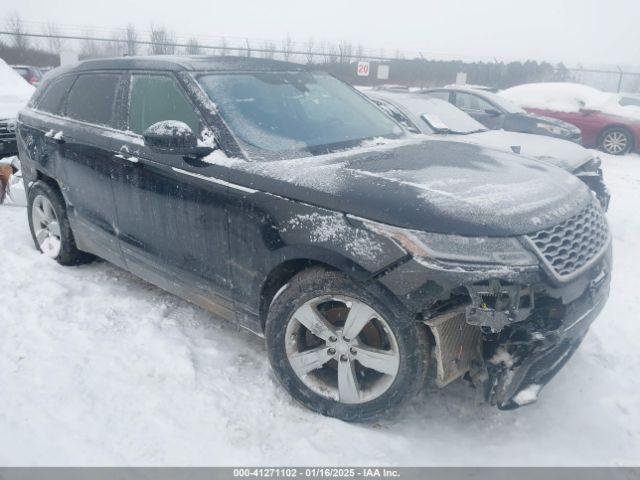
x=562 y=153
x=437 y=186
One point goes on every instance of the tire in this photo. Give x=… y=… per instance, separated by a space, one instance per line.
x=392 y=345
x=616 y=141
x=50 y=227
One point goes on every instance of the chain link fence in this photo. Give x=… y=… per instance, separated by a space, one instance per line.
x=40 y=44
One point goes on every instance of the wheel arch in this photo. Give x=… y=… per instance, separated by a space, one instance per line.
x=294 y=261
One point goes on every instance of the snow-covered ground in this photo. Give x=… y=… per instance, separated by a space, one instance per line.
x=100 y=368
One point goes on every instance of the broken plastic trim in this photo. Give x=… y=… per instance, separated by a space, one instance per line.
x=495 y=306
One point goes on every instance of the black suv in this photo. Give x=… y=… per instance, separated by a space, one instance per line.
x=281 y=199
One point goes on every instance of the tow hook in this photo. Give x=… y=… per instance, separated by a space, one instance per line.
x=495 y=305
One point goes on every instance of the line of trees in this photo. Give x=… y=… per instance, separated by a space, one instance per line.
x=337 y=58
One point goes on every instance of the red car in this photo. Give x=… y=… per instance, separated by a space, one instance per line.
x=607 y=120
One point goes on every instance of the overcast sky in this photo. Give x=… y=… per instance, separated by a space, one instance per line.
x=588 y=31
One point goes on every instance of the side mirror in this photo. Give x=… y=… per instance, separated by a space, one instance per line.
x=492 y=111
x=587 y=111
x=174 y=137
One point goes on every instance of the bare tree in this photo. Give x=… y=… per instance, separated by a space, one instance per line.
x=268 y=49
x=193 y=47
x=345 y=50
x=161 y=41
x=89 y=47
x=223 y=45
x=287 y=47
x=55 y=43
x=248 y=48
x=309 y=48
x=20 y=41
x=131 y=37
x=359 y=52
x=323 y=50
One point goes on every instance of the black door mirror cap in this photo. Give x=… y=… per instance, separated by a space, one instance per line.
x=174 y=137
x=493 y=112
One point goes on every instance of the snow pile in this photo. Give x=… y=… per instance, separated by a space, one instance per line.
x=569 y=97
x=100 y=368
x=15 y=92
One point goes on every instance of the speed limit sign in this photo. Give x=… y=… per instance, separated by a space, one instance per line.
x=363 y=69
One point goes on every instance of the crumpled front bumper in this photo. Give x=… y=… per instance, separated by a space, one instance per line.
x=525 y=356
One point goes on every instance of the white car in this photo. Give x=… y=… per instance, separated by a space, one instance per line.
x=423 y=114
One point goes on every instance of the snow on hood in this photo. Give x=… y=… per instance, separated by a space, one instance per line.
x=15 y=92
x=434 y=185
x=569 y=97
x=561 y=153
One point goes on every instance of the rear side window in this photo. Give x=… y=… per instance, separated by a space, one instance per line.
x=54 y=94
x=155 y=98
x=466 y=101
x=441 y=94
x=93 y=98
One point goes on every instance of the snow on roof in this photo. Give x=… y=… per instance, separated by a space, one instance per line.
x=569 y=97
x=14 y=91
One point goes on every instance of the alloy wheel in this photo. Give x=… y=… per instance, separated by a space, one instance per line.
x=615 y=142
x=342 y=349
x=46 y=226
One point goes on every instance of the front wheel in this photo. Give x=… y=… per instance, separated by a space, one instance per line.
x=616 y=141
x=341 y=350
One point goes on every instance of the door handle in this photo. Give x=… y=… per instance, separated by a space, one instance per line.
x=128 y=158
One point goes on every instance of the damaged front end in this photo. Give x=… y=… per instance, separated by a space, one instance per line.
x=522 y=356
x=511 y=328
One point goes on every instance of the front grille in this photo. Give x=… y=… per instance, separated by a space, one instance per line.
x=570 y=246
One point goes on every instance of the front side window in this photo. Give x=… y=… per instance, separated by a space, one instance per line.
x=53 y=96
x=93 y=97
x=155 y=98
x=466 y=101
x=287 y=114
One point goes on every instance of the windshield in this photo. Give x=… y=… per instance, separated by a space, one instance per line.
x=440 y=114
x=288 y=114
x=503 y=103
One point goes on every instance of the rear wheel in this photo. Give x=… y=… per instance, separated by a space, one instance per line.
x=616 y=141
x=341 y=350
x=50 y=227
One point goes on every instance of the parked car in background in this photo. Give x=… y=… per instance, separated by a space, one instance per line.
x=281 y=199
x=496 y=113
x=608 y=121
x=432 y=116
x=32 y=75
x=14 y=95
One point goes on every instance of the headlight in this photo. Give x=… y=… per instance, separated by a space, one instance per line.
x=553 y=129
x=457 y=248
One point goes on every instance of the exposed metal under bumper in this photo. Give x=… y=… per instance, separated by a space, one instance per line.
x=458 y=346
x=524 y=358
